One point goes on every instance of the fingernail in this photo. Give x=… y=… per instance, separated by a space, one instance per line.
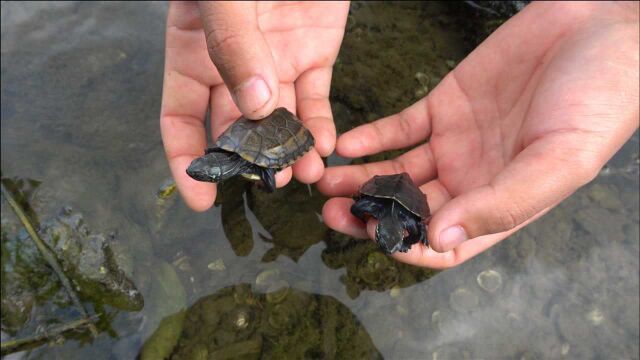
x=452 y=236
x=251 y=95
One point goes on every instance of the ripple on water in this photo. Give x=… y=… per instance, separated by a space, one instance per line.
x=463 y=300
x=490 y=280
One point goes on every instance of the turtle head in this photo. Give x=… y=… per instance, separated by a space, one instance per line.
x=214 y=166
x=390 y=234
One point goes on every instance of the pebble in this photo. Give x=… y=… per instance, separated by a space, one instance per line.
x=217 y=265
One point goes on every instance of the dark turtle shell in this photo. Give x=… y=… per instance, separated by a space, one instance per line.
x=400 y=188
x=276 y=141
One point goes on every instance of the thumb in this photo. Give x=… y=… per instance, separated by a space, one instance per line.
x=241 y=54
x=535 y=180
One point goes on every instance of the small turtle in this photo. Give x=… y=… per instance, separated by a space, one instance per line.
x=255 y=149
x=398 y=205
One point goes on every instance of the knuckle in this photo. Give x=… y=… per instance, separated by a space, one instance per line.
x=378 y=133
x=507 y=217
x=508 y=213
x=405 y=127
x=586 y=168
x=452 y=259
x=398 y=166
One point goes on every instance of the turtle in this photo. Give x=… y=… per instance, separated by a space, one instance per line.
x=398 y=205
x=255 y=149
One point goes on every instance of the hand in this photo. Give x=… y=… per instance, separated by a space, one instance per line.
x=525 y=120
x=266 y=54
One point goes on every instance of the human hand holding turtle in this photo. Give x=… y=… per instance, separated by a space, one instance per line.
x=269 y=54
x=524 y=121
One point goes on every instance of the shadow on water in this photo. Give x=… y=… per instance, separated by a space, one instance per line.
x=282 y=323
x=260 y=273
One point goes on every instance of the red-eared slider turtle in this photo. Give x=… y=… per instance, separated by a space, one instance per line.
x=254 y=149
x=398 y=205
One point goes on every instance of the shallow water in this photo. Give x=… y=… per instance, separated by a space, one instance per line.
x=81 y=89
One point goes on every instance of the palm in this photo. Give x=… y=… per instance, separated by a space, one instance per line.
x=544 y=99
x=300 y=37
x=304 y=39
x=495 y=120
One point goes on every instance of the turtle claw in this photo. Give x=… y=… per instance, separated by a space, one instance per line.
x=404 y=247
x=268 y=177
x=423 y=235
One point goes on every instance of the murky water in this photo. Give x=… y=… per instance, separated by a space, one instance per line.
x=81 y=88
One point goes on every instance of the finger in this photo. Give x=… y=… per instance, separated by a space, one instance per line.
x=425 y=256
x=533 y=181
x=417 y=251
x=345 y=180
x=186 y=47
x=336 y=214
x=241 y=54
x=314 y=109
x=283 y=177
x=421 y=255
x=184 y=104
x=183 y=15
x=223 y=111
x=309 y=168
x=406 y=128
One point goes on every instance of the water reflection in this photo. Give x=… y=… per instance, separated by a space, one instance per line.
x=288 y=219
x=283 y=323
x=367 y=267
x=234 y=208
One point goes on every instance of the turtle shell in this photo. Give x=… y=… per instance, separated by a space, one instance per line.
x=400 y=188
x=276 y=141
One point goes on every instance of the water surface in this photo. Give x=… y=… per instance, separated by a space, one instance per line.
x=81 y=89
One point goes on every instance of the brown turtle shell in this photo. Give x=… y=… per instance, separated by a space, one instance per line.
x=400 y=188
x=276 y=141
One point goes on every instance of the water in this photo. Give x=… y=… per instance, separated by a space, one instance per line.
x=81 y=88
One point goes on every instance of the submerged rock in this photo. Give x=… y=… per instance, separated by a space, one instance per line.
x=95 y=264
x=89 y=261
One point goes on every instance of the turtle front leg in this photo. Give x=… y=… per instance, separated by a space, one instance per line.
x=364 y=207
x=417 y=233
x=390 y=231
x=415 y=228
x=268 y=177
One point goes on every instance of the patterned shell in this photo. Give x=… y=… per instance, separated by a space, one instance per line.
x=400 y=188
x=276 y=141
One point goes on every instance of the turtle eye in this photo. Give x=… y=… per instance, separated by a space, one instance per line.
x=215 y=173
